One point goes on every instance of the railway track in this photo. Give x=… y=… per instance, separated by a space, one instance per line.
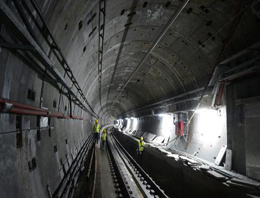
x=130 y=180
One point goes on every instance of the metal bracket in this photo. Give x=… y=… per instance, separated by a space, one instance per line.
x=6 y=108
x=16 y=46
x=101 y=33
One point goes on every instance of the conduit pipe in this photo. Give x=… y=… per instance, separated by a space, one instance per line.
x=12 y=107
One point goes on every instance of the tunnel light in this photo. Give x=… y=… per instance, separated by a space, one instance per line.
x=208 y=123
x=164 y=115
x=204 y=111
x=134 y=124
x=166 y=124
x=128 y=123
x=117 y=124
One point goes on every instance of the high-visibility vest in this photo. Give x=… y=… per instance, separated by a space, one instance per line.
x=141 y=145
x=104 y=136
x=96 y=128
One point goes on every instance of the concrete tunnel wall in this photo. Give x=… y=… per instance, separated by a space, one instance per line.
x=168 y=71
x=55 y=148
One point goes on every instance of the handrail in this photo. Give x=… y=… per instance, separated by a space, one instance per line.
x=65 y=187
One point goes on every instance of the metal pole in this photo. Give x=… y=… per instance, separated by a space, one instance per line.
x=174 y=17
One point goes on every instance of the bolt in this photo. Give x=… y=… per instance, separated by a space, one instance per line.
x=152 y=192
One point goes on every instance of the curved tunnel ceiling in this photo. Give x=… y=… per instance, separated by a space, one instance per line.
x=182 y=61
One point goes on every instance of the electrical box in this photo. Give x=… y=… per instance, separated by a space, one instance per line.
x=179 y=128
x=179 y=120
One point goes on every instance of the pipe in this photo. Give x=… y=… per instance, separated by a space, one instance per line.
x=22 y=109
x=174 y=17
x=22 y=13
x=219 y=94
x=241 y=53
x=196 y=91
x=218 y=72
x=222 y=82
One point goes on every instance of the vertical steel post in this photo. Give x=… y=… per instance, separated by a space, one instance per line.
x=101 y=32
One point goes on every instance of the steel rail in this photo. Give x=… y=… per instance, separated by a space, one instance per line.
x=148 y=186
x=159 y=37
x=124 y=183
x=95 y=174
x=141 y=188
x=91 y=159
x=145 y=184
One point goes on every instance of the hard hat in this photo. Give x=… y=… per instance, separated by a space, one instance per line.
x=96 y=120
x=141 y=138
x=105 y=130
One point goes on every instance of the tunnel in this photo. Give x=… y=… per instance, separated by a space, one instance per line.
x=129 y=98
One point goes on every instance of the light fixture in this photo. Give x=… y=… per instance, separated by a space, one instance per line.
x=166 y=124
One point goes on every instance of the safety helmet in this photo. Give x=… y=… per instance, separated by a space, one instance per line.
x=141 y=138
x=105 y=130
x=96 y=120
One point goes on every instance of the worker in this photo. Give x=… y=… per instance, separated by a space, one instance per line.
x=96 y=129
x=103 y=139
x=140 y=149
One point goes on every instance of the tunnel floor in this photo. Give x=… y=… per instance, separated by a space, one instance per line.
x=123 y=174
x=104 y=187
